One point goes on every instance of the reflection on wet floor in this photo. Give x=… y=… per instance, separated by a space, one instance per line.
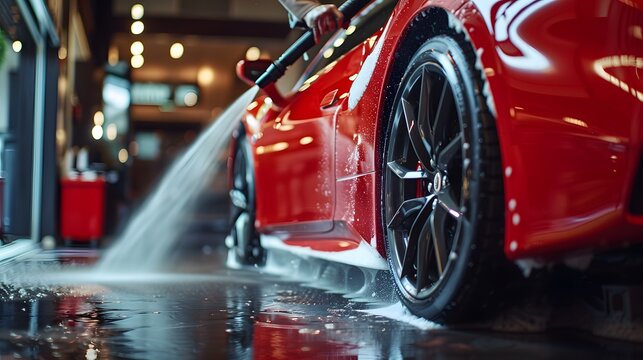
x=51 y=309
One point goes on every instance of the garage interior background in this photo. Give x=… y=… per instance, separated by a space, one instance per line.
x=115 y=86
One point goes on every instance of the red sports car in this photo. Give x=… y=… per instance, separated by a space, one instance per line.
x=456 y=138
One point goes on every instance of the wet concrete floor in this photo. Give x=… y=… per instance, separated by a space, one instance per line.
x=203 y=310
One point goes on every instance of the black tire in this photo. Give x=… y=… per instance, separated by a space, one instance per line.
x=442 y=190
x=246 y=241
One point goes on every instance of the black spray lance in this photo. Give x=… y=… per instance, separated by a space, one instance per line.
x=349 y=9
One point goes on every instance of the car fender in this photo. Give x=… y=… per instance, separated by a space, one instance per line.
x=373 y=106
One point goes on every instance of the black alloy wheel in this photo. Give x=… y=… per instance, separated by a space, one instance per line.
x=247 y=246
x=440 y=173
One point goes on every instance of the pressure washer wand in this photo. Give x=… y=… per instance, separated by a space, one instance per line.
x=349 y=9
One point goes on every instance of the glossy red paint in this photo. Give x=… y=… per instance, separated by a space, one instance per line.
x=564 y=84
x=567 y=124
x=295 y=152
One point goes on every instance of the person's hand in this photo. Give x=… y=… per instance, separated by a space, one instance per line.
x=324 y=19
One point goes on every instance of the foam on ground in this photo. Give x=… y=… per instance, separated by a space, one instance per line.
x=363 y=256
x=398 y=312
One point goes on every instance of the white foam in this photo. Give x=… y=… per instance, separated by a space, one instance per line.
x=363 y=256
x=455 y=24
x=398 y=312
x=364 y=76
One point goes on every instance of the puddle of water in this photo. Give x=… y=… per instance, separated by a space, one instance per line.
x=219 y=313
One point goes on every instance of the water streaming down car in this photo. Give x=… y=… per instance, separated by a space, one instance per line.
x=458 y=139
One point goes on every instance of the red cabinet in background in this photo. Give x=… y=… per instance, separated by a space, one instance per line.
x=82 y=209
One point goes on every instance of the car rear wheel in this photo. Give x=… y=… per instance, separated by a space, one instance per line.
x=442 y=192
x=246 y=243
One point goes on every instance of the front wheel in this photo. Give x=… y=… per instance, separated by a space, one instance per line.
x=442 y=192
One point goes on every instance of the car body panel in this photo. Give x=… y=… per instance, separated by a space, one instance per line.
x=564 y=84
x=568 y=136
x=295 y=153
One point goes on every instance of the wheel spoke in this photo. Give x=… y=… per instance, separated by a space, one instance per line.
x=449 y=151
x=409 y=258
x=418 y=235
x=406 y=212
x=424 y=103
x=438 y=233
x=414 y=134
x=449 y=204
x=423 y=255
x=403 y=173
x=442 y=114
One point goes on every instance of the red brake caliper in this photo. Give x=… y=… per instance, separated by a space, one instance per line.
x=419 y=190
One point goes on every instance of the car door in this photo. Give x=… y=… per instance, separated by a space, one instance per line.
x=295 y=152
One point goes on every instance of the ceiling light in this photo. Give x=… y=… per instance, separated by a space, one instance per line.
x=137 y=27
x=137 y=11
x=176 y=50
x=137 y=61
x=99 y=118
x=97 y=132
x=253 y=53
x=62 y=53
x=17 y=46
x=112 y=55
x=137 y=48
x=350 y=30
x=111 y=131
x=205 y=76
x=190 y=99
x=123 y=156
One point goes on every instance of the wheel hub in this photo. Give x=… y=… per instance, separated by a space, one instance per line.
x=440 y=182
x=437 y=182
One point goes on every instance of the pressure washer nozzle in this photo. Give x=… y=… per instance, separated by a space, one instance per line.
x=272 y=74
